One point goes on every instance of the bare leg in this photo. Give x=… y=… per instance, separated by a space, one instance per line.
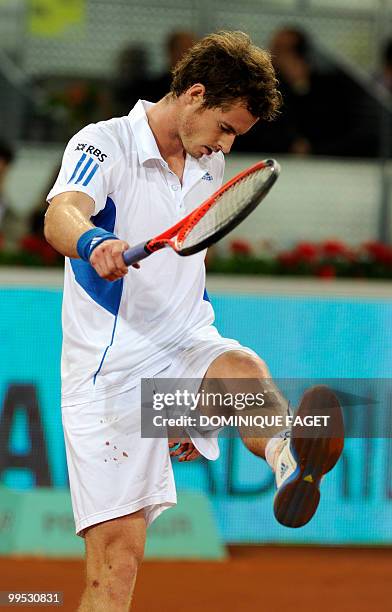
x=301 y=462
x=239 y=364
x=114 y=550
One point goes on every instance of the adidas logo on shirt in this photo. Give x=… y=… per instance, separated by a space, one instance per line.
x=207 y=177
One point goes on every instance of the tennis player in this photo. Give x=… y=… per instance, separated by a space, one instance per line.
x=121 y=182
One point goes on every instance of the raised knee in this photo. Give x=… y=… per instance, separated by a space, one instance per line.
x=239 y=364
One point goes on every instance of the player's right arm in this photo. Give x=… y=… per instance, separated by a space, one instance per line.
x=68 y=219
x=91 y=169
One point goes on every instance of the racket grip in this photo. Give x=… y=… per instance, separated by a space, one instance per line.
x=135 y=254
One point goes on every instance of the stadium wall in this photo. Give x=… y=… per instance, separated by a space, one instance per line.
x=303 y=329
x=344 y=194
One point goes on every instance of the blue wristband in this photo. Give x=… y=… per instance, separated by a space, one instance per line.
x=91 y=239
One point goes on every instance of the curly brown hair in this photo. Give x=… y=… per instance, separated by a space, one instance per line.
x=231 y=68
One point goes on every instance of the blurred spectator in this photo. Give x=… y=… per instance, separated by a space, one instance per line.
x=385 y=77
x=324 y=112
x=11 y=224
x=34 y=241
x=68 y=103
x=6 y=159
x=132 y=79
x=177 y=44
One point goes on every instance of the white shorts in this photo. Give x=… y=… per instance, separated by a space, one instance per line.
x=113 y=471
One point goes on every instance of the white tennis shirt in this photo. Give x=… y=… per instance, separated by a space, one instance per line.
x=114 y=333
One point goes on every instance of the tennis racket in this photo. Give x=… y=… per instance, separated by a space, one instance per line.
x=215 y=217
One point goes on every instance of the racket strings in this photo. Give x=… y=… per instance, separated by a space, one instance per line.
x=227 y=206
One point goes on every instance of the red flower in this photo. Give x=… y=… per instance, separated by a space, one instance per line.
x=306 y=251
x=379 y=252
x=288 y=258
x=39 y=246
x=240 y=247
x=334 y=248
x=326 y=271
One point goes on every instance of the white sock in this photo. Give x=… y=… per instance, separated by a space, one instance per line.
x=273 y=448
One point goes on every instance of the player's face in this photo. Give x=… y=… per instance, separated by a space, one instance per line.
x=204 y=130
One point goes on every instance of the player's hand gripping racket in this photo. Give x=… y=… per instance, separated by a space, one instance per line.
x=216 y=217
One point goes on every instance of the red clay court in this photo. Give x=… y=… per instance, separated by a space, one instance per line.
x=255 y=578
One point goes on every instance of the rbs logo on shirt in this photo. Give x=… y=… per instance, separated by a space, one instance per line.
x=92 y=151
